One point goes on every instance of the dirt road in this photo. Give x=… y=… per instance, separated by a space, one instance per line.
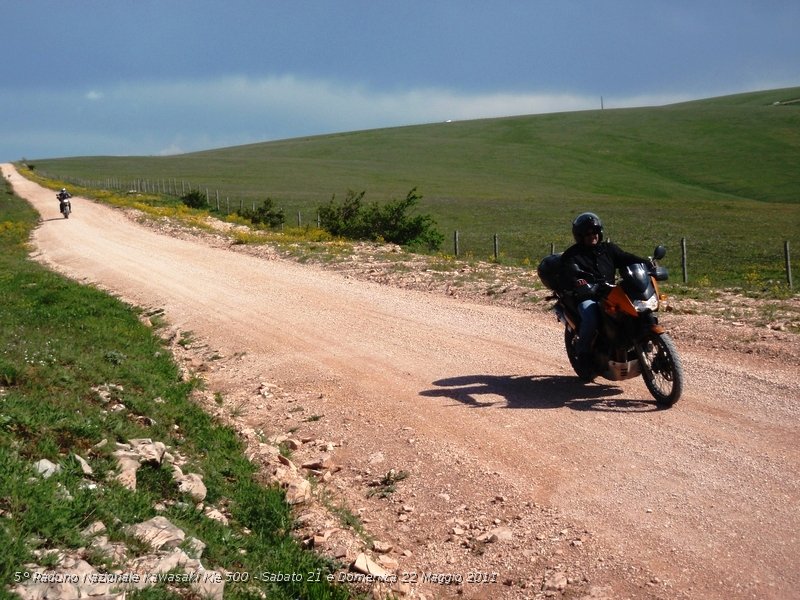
x=599 y=494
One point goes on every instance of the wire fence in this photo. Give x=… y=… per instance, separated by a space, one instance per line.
x=472 y=244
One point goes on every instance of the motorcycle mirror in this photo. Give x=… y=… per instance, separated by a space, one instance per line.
x=660 y=252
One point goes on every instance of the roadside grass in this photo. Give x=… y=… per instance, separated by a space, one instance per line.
x=720 y=173
x=61 y=343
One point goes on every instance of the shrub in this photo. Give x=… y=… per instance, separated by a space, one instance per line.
x=195 y=199
x=345 y=219
x=265 y=214
x=390 y=222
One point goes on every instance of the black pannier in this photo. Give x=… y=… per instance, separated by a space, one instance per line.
x=549 y=271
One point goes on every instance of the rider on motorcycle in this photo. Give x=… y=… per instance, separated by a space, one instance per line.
x=586 y=265
x=63 y=196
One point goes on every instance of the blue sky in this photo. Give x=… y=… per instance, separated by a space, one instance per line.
x=155 y=77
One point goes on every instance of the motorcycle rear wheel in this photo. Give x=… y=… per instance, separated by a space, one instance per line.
x=662 y=370
x=569 y=345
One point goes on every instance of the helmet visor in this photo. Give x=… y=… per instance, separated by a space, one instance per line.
x=592 y=230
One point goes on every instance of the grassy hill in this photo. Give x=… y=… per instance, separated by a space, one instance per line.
x=722 y=172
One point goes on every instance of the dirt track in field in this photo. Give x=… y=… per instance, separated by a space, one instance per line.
x=476 y=402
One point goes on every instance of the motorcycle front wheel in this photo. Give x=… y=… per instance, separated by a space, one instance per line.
x=661 y=368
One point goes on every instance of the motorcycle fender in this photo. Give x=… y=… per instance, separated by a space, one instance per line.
x=658 y=329
x=564 y=319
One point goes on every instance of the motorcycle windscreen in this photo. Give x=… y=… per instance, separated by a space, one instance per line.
x=636 y=282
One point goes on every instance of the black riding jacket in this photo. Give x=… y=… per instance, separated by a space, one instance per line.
x=598 y=264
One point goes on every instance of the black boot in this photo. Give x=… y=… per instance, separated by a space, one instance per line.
x=585 y=367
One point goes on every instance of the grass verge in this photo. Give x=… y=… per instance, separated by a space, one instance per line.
x=63 y=341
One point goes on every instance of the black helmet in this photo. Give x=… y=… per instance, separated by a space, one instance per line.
x=586 y=223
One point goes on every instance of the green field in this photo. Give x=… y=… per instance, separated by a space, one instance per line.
x=724 y=173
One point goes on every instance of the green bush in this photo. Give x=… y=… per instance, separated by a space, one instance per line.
x=345 y=219
x=195 y=199
x=390 y=222
x=265 y=214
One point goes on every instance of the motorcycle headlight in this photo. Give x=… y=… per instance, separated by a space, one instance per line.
x=650 y=304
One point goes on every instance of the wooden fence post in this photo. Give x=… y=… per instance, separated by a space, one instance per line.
x=788 y=258
x=683 y=261
x=496 y=247
x=455 y=242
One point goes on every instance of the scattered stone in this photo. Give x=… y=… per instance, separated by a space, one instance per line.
x=364 y=564
x=321 y=537
x=557 y=582
x=195 y=548
x=86 y=469
x=498 y=534
x=286 y=462
x=192 y=484
x=148 y=450
x=322 y=463
x=215 y=515
x=293 y=444
x=96 y=528
x=298 y=491
x=388 y=562
x=46 y=469
x=108 y=391
x=159 y=533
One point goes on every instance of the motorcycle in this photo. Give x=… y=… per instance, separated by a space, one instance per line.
x=629 y=341
x=64 y=205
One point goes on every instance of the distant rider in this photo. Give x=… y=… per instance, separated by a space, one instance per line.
x=586 y=265
x=62 y=196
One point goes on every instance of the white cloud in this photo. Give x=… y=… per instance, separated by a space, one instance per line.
x=94 y=95
x=315 y=106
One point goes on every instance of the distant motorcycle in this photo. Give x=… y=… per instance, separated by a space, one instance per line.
x=629 y=341
x=64 y=205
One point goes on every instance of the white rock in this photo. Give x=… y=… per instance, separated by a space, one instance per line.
x=298 y=491
x=85 y=468
x=46 y=469
x=364 y=564
x=193 y=485
x=159 y=533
